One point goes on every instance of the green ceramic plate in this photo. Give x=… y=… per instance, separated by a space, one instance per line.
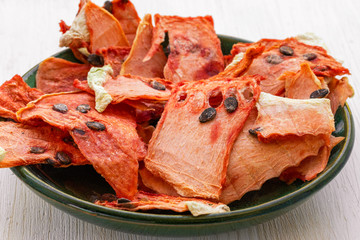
x=72 y=189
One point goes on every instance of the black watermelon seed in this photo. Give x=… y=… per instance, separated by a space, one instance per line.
x=230 y=104
x=108 y=197
x=108 y=6
x=83 y=108
x=52 y=162
x=158 y=86
x=63 y=157
x=96 y=126
x=62 y=108
x=79 y=131
x=69 y=140
x=254 y=131
x=123 y=200
x=207 y=115
x=274 y=59
x=309 y=56
x=96 y=60
x=320 y=93
x=126 y=205
x=37 y=150
x=321 y=68
x=286 y=50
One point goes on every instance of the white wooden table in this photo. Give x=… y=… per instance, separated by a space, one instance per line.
x=29 y=33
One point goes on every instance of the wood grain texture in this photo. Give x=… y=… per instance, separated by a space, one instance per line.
x=29 y=33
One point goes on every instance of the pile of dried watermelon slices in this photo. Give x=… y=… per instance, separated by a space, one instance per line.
x=165 y=118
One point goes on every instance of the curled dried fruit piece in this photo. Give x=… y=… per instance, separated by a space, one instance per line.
x=25 y=145
x=98 y=147
x=195 y=50
x=271 y=66
x=204 y=145
x=15 y=89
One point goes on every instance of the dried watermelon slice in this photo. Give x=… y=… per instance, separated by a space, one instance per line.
x=134 y=64
x=302 y=84
x=253 y=162
x=310 y=167
x=340 y=90
x=132 y=89
x=15 y=94
x=148 y=201
x=114 y=56
x=195 y=51
x=57 y=75
x=283 y=117
x=191 y=144
x=25 y=145
x=92 y=29
x=109 y=141
x=286 y=55
x=124 y=11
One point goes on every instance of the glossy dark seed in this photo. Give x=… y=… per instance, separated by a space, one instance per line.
x=79 y=131
x=52 y=162
x=125 y=1
x=96 y=126
x=126 y=205
x=254 y=131
x=108 y=6
x=286 y=50
x=321 y=68
x=158 y=86
x=69 y=140
x=62 y=108
x=37 y=150
x=309 y=56
x=207 y=115
x=274 y=59
x=230 y=104
x=63 y=157
x=320 y=93
x=96 y=60
x=108 y=197
x=83 y=108
x=123 y=200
